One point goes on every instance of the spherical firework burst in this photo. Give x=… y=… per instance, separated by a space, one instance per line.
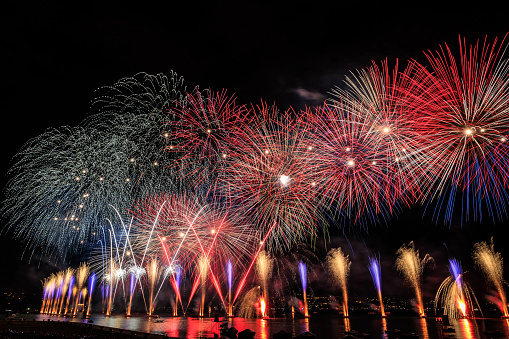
x=467 y=126
x=58 y=196
x=138 y=109
x=65 y=180
x=204 y=124
x=268 y=178
x=388 y=103
x=202 y=131
x=353 y=172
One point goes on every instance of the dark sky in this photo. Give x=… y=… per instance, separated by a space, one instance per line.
x=56 y=55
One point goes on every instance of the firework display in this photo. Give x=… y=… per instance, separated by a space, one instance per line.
x=162 y=185
x=131 y=275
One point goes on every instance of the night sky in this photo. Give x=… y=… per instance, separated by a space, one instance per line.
x=56 y=56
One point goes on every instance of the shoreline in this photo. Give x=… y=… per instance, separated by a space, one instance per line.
x=73 y=329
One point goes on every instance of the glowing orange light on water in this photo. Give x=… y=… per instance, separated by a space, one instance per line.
x=466 y=328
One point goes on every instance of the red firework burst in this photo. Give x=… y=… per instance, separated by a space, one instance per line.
x=389 y=102
x=201 y=131
x=467 y=129
x=269 y=180
x=203 y=124
x=354 y=170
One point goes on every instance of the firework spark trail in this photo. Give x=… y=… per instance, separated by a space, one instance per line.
x=213 y=222
x=217 y=233
x=491 y=263
x=67 y=279
x=243 y=280
x=202 y=278
x=140 y=94
x=49 y=288
x=59 y=285
x=184 y=237
x=170 y=263
x=175 y=279
x=200 y=228
x=73 y=176
x=339 y=264
x=132 y=286
x=456 y=272
x=117 y=264
x=409 y=263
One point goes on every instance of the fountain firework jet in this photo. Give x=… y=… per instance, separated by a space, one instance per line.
x=49 y=287
x=457 y=273
x=454 y=295
x=304 y=280
x=70 y=292
x=203 y=265
x=409 y=263
x=229 y=272
x=81 y=277
x=67 y=279
x=134 y=277
x=132 y=286
x=175 y=282
x=152 y=274
x=490 y=262
x=339 y=264
x=91 y=285
x=60 y=284
x=44 y=297
x=109 y=280
x=264 y=265
x=376 y=274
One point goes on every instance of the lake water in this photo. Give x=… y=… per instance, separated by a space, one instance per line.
x=323 y=326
